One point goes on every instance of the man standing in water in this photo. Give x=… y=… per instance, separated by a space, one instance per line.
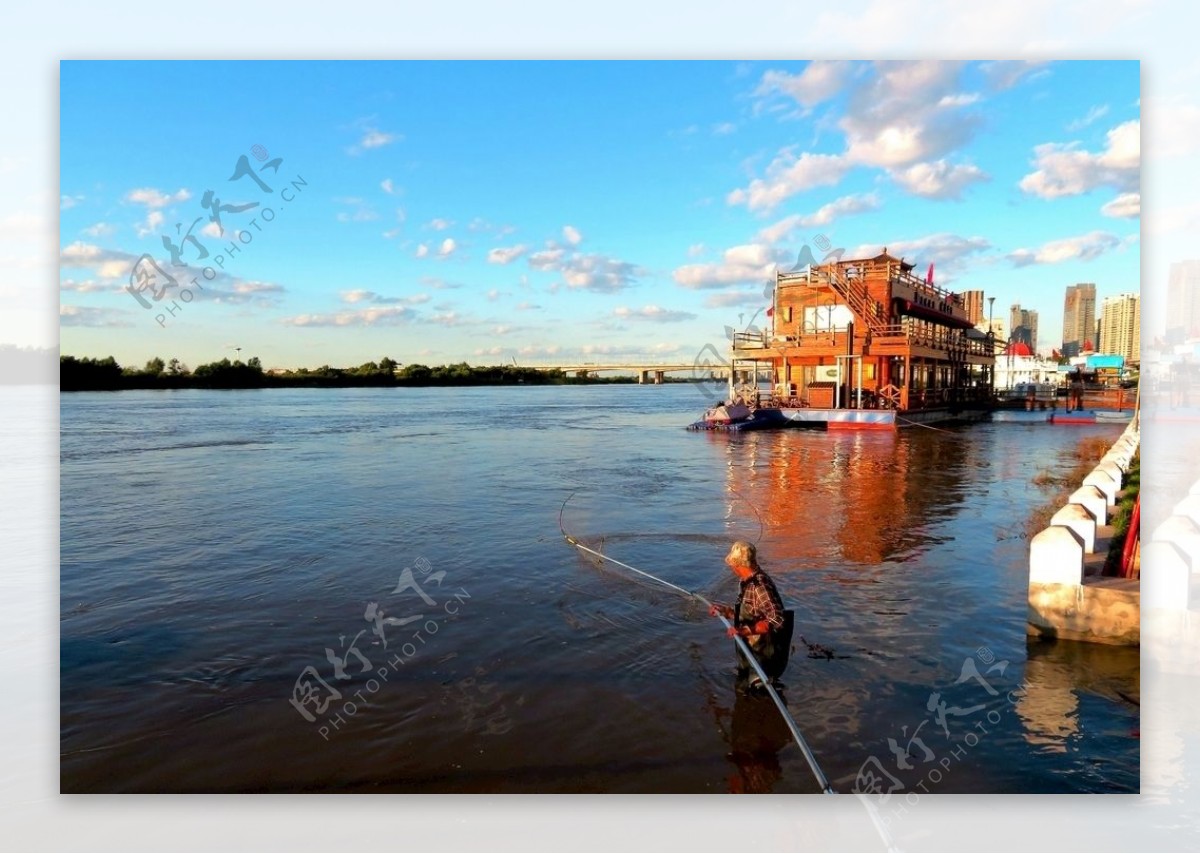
x=758 y=617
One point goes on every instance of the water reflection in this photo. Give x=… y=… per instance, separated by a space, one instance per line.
x=1058 y=674
x=757 y=733
x=855 y=497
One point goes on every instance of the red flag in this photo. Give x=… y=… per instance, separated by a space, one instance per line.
x=929 y=276
x=770 y=311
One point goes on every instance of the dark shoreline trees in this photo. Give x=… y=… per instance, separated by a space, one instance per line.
x=88 y=374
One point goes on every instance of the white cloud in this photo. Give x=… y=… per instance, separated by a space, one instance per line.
x=788 y=175
x=751 y=262
x=386 y=316
x=582 y=271
x=397 y=230
x=819 y=81
x=115 y=267
x=256 y=287
x=87 y=286
x=903 y=117
x=1085 y=247
x=495 y=294
x=599 y=273
x=506 y=255
x=547 y=259
x=826 y=214
x=653 y=313
x=949 y=252
x=695 y=250
x=447 y=248
x=359 y=211
x=67 y=202
x=152 y=198
x=1126 y=206
x=377 y=139
x=365 y=296
x=422 y=251
x=909 y=112
x=439 y=224
x=1093 y=115
x=527 y=306
x=154 y=220
x=79 y=315
x=571 y=235
x=388 y=186
x=80 y=254
x=1063 y=169
x=447 y=318
x=961 y=99
x=939 y=179
x=724 y=128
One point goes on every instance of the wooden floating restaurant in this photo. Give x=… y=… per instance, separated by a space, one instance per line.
x=862 y=344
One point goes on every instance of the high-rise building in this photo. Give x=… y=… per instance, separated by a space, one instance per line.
x=1023 y=323
x=1183 y=300
x=1079 y=318
x=1121 y=327
x=973 y=303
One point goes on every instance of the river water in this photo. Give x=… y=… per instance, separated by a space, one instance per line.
x=234 y=562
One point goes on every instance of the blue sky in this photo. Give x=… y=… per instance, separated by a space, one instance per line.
x=545 y=212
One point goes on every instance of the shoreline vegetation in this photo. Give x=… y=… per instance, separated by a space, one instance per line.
x=88 y=374
x=1063 y=482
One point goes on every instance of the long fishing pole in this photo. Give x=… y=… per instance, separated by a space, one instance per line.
x=826 y=788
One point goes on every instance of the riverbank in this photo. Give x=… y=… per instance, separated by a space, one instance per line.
x=87 y=374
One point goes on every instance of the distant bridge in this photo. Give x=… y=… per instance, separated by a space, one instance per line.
x=644 y=372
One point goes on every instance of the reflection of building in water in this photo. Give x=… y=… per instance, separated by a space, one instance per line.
x=1048 y=706
x=1057 y=673
x=859 y=496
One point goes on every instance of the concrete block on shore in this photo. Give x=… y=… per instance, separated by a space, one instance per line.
x=1185 y=534
x=1094 y=501
x=1095 y=613
x=1056 y=557
x=1104 y=483
x=1189 y=507
x=1112 y=470
x=1080 y=521
x=1121 y=462
x=1167 y=576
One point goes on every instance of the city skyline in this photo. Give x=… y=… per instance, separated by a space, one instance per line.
x=538 y=212
x=1121 y=327
x=1079 y=319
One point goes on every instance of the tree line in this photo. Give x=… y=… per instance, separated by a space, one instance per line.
x=89 y=374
